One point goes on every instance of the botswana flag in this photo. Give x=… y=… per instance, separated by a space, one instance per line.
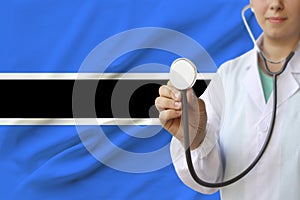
x=78 y=80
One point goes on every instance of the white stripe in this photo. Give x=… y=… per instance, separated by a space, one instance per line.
x=80 y=121
x=91 y=76
x=87 y=76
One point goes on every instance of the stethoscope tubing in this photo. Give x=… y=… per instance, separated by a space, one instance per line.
x=268 y=137
x=259 y=155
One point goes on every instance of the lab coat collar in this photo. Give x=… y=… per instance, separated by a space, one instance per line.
x=287 y=84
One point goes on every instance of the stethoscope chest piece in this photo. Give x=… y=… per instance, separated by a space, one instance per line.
x=183 y=74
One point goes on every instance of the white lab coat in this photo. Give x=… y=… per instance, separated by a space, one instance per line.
x=238 y=121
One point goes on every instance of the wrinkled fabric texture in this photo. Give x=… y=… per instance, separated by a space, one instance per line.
x=50 y=162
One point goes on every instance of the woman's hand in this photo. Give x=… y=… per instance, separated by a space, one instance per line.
x=170 y=111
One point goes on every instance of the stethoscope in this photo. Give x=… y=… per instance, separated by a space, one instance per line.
x=183 y=74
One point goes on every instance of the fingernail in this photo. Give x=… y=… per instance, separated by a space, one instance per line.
x=177 y=94
x=176 y=104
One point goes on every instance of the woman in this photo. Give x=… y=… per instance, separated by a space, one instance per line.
x=229 y=122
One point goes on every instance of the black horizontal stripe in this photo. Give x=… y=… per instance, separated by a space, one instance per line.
x=81 y=98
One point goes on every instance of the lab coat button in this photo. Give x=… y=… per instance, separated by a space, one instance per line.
x=263 y=128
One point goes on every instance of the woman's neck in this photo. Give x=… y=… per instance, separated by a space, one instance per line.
x=277 y=50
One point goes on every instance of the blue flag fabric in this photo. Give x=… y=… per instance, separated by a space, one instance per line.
x=52 y=162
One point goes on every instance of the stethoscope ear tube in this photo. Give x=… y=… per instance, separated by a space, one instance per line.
x=287 y=60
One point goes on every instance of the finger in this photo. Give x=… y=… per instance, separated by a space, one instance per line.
x=191 y=96
x=167 y=115
x=163 y=103
x=169 y=92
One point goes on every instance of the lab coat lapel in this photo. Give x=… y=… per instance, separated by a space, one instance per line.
x=252 y=82
x=287 y=82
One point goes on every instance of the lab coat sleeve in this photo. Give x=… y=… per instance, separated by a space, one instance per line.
x=206 y=158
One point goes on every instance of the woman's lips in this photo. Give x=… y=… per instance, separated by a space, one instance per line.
x=276 y=20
